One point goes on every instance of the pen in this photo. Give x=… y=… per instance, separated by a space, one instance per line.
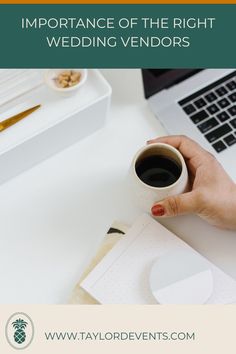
x=16 y=118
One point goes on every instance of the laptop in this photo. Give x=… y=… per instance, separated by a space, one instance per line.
x=199 y=103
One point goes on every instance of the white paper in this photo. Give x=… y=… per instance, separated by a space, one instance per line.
x=122 y=277
x=15 y=82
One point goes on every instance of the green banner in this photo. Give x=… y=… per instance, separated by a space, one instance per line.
x=115 y=36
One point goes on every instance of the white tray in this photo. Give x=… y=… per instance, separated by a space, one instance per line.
x=60 y=122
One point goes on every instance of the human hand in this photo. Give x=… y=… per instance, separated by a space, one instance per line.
x=212 y=193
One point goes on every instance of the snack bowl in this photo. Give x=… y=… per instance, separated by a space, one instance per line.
x=56 y=79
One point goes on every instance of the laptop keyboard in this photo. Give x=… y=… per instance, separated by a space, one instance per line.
x=213 y=110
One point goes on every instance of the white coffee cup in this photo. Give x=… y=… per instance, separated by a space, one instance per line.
x=146 y=195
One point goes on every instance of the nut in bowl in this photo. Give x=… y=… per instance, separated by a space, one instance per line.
x=65 y=81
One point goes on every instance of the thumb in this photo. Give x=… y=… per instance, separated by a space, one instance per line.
x=179 y=204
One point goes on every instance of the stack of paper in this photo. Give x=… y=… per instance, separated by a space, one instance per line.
x=122 y=276
x=115 y=233
x=15 y=82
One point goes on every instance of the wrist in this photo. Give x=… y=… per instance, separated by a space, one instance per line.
x=231 y=208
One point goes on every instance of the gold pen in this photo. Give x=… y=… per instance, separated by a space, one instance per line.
x=16 y=118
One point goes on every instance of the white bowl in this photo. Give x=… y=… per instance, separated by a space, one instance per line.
x=52 y=74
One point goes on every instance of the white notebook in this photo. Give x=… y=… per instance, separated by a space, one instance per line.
x=15 y=82
x=122 y=277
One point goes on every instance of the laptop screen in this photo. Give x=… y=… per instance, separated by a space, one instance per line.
x=155 y=80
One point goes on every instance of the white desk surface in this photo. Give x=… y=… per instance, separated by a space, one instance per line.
x=54 y=215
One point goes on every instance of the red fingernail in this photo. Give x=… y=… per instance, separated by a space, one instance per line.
x=158 y=210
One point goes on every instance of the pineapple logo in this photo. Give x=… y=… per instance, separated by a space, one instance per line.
x=19 y=335
x=19 y=330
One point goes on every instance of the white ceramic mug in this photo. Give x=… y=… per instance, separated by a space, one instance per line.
x=145 y=195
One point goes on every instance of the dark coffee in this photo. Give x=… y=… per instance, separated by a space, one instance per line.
x=158 y=171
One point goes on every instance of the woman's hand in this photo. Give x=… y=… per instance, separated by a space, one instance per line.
x=212 y=193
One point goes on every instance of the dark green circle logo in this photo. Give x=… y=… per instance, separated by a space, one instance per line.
x=19 y=330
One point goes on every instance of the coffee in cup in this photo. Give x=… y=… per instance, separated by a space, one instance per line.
x=158 y=170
